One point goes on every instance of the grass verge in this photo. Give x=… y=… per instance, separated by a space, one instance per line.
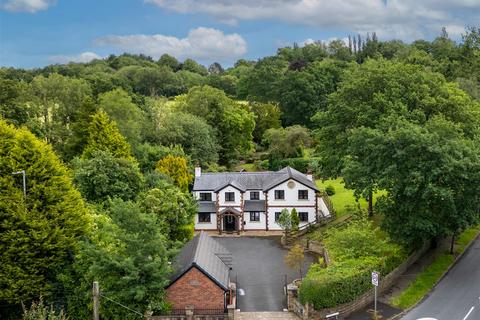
x=426 y=279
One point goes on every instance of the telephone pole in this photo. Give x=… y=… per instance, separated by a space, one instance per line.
x=24 y=182
x=96 y=301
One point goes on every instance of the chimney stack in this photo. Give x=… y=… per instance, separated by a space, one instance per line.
x=309 y=175
x=198 y=171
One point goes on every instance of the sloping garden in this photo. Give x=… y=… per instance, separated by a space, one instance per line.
x=355 y=250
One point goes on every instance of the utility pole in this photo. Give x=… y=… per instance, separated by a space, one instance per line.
x=96 y=301
x=24 y=182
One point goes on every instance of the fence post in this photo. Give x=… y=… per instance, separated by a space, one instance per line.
x=96 y=300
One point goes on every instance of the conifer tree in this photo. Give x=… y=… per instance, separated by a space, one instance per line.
x=39 y=232
x=176 y=168
x=103 y=135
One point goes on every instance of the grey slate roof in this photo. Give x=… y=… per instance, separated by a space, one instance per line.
x=254 y=205
x=208 y=255
x=206 y=206
x=250 y=180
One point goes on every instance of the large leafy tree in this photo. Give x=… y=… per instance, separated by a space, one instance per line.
x=431 y=173
x=119 y=106
x=372 y=103
x=267 y=116
x=39 y=232
x=57 y=98
x=287 y=142
x=102 y=176
x=233 y=122
x=174 y=208
x=103 y=135
x=128 y=255
x=170 y=126
x=371 y=93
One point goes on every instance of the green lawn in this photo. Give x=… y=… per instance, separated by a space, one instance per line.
x=425 y=280
x=343 y=197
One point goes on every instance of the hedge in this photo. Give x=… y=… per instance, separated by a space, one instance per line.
x=344 y=281
x=349 y=276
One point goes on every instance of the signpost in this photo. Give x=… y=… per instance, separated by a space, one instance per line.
x=375 y=276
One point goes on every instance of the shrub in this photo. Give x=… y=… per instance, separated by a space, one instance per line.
x=300 y=164
x=38 y=311
x=330 y=190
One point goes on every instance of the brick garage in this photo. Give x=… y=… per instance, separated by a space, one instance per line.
x=195 y=288
x=202 y=275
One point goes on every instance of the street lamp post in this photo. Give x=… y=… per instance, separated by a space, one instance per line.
x=22 y=172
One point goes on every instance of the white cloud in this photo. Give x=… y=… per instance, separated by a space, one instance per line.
x=82 y=57
x=200 y=43
x=30 y=6
x=404 y=19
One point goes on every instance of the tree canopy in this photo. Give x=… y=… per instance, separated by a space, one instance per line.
x=39 y=232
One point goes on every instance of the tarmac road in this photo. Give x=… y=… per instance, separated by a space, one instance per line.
x=457 y=296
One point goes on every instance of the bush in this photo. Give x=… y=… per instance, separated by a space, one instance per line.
x=330 y=190
x=300 y=164
x=356 y=251
x=38 y=311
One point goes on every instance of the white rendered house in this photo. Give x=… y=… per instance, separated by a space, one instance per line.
x=243 y=201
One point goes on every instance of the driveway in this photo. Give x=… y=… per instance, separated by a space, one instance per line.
x=457 y=296
x=259 y=269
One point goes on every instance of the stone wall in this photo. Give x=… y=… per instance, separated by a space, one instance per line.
x=346 y=309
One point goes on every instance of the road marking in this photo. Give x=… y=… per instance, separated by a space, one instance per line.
x=471 y=309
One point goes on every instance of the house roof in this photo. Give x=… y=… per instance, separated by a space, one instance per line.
x=207 y=255
x=254 y=205
x=250 y=180
x=206 y=206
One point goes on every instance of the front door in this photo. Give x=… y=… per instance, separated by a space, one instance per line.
x=229 y=223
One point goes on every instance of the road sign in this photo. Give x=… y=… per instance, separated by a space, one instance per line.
x=375 y=278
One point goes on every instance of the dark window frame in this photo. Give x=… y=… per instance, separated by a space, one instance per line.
x=254 y=195
x=278 y=193
x=203 y=194
x=277 y=216
x=229 y=196
x=303 y=194
x=204 y=219
x=303 y=216
x=255 y=215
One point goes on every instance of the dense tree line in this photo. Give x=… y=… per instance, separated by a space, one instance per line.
x=126 y=132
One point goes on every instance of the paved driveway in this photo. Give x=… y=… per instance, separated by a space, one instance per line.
x=259 y=269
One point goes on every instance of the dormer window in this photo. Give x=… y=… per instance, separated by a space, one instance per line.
x=254 y=195
x=279 y=194
x=230 y=196
x=205 y=196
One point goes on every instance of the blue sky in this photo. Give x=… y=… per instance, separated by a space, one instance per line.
x=35 y=33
